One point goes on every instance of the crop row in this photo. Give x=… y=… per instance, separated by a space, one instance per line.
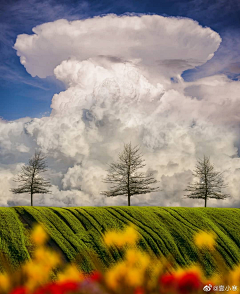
x=12 y=238
x=78 y=233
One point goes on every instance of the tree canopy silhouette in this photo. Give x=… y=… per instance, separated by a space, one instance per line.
x=30 y=180
x=124 y=178
x=209 y=184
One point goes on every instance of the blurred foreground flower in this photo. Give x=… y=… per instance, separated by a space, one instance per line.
x=205 y=240
x=128 y=237
x=39 y=235
x=137 y=273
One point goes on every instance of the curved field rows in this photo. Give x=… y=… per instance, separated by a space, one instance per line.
x=77 y=233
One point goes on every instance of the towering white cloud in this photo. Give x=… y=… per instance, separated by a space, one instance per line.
x=123 y=83
x=170 y=44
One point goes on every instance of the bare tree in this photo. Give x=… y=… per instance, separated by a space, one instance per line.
x=29 y=179
x=125 y=179
x=210 y=183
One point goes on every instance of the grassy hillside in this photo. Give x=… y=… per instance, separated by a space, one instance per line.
x=77 y=232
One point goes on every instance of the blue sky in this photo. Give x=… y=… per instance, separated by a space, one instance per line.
x=23 y=95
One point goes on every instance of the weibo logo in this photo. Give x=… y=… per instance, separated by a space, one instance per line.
x=207 y=288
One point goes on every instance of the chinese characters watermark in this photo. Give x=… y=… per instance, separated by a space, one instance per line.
x=220 y=288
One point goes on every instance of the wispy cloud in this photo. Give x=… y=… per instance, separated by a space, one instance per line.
x=13 y=76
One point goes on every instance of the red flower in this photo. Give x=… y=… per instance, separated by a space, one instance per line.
x=167 y=279
x=58 y=288
x=19 y=290
x=49 y=289
x=139 y=290
x=189 y=283
x=68 y=286
x=95 y=276
x=168 y=282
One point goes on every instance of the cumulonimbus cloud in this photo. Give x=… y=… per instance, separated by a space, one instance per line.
x=173 y=44
x=123 y=83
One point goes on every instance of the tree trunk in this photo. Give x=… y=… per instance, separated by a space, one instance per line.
x=32 y=188
x=128 y=199
x=205 y=200
x=128 y=184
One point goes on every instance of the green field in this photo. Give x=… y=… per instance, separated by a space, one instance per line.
x=77 y=232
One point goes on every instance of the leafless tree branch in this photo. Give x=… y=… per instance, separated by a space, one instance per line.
x=209 y=184
x=124 y=178
x=30 y=180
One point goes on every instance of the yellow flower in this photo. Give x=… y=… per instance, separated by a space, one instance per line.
x=137 y=258
x=52 y=259
x=36 y=273
x=46 y=258
x=235 y=275
x=39 y=236
x=113 y=238
x=205 y=240
x=112 y=280
x=134 y=277
x=4 y=282
x=144 y=261
x=131 y=256
x=131 y=270
x=40 y=254
x=131 y=235
x=128 y=236
x=116 y=274
x=70 y=273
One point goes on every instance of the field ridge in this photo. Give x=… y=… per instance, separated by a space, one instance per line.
x=77 y=232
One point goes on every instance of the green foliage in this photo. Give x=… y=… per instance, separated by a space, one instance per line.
x=78 y=232
x=12 y=238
